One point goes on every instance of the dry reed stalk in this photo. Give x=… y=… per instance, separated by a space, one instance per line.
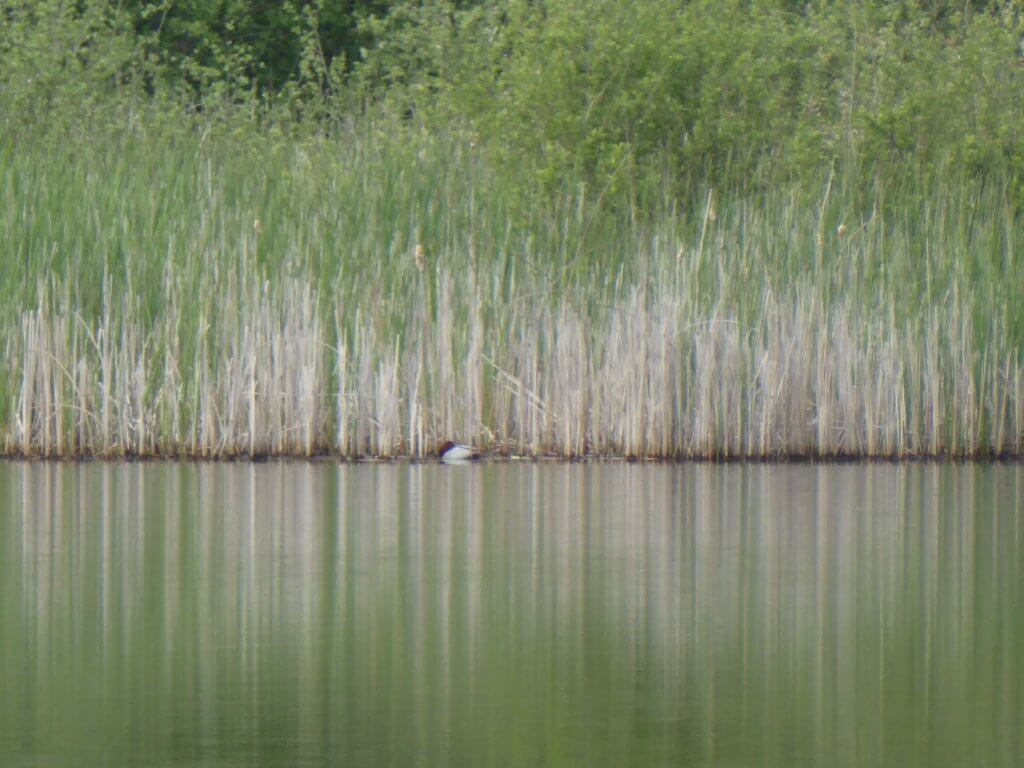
x=654 y=374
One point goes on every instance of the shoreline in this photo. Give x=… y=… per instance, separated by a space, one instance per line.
x=328 y=457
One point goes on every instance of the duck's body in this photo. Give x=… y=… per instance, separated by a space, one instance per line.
x=450 y=451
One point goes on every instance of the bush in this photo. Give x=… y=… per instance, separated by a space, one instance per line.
x=722 y=93
x=616 y=97
x=60 y=62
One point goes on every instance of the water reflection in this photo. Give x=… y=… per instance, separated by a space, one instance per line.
x=305 y=614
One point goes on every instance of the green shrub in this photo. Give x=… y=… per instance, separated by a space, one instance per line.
x=60 y=62
x=723 y=93
x=612 y=98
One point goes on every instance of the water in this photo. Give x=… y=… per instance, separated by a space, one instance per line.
x=511 y=615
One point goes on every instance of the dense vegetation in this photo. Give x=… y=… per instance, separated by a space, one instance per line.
x=725 y=91
x=658 y=227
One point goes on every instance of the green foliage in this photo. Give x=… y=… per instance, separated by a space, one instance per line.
x=616 y=97
x=708 y=92
x=930 y=99
x=242 y=44
x=59 y=62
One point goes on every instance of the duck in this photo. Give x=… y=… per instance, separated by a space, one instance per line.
x=450 y=451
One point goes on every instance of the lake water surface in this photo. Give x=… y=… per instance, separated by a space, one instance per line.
x=511 y=614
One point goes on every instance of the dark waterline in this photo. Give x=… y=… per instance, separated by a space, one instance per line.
x=166 y=614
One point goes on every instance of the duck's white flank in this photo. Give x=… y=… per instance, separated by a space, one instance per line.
x=454 y=452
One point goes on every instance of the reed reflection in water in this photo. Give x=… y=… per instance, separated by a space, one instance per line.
x=167 y=614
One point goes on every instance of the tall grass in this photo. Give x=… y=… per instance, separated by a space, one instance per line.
x=376 y=293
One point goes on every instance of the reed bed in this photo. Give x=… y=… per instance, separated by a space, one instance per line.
x=375 y=296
